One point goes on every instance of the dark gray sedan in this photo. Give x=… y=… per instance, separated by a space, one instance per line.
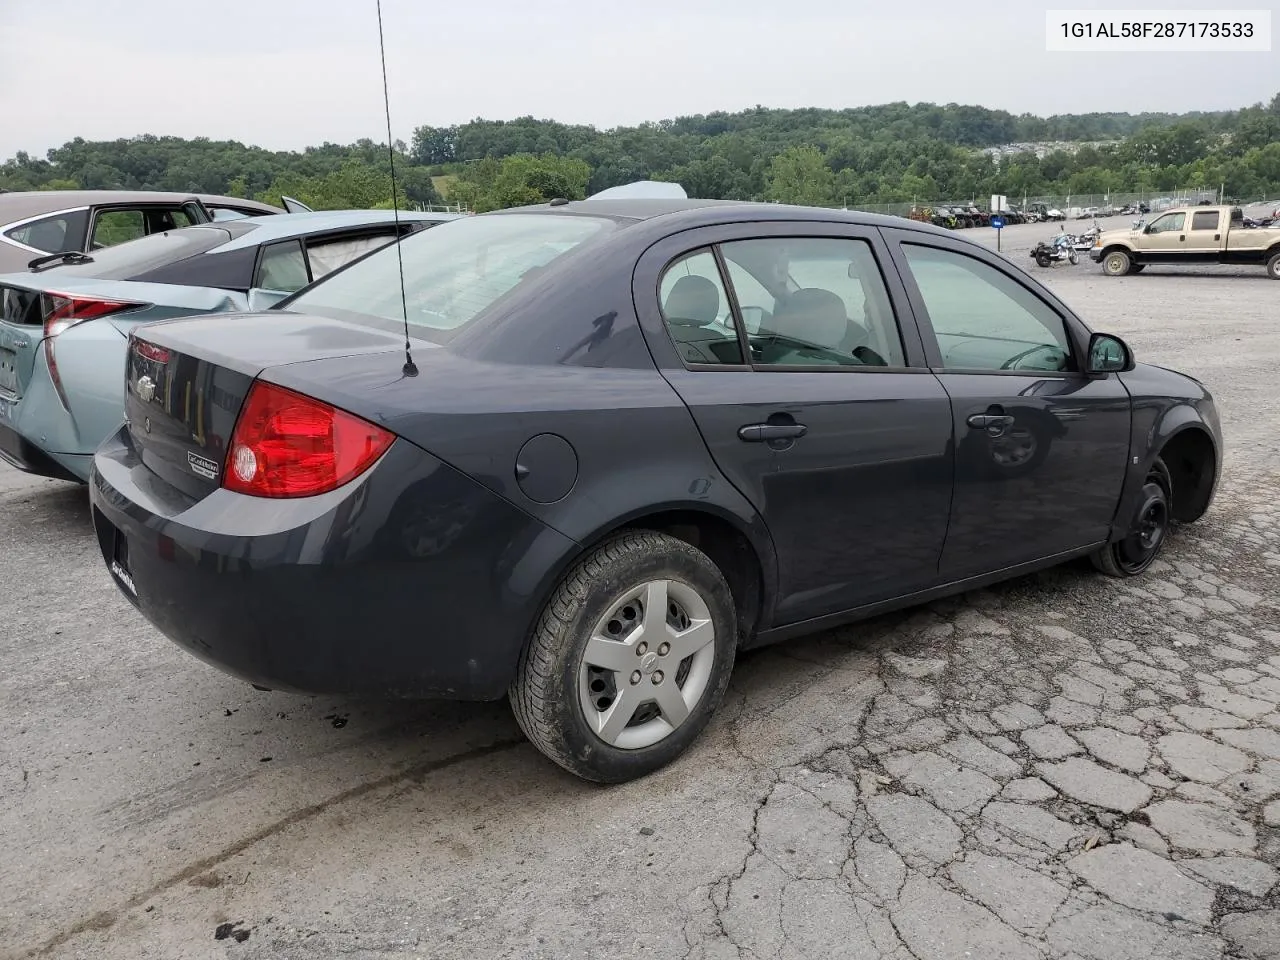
x=592 y=450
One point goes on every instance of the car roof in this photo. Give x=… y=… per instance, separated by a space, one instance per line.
x=253 y=231
x=31 y=203
x=690 y=213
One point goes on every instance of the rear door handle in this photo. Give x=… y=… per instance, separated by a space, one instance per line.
x=764 y=432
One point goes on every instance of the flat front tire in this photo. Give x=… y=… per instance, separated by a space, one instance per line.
x=1149 y=525
x=1116 y=263
x=628 y=660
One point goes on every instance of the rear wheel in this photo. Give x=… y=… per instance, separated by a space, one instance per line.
x=1273 y=267
x=1043 y=260
x=1116 y=263
x=1149 y=525
x=629 y=659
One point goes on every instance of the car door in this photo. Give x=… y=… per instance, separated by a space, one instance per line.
x=811 y=392
x=1164 y=238
x=1041 y=448
x=1204 y=239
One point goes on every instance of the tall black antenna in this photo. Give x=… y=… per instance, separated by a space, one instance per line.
x=410 y=369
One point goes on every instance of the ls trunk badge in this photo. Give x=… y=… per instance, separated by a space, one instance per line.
x=203 y=466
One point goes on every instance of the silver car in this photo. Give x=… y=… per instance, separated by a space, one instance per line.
x=64 y=325
x=41 y=222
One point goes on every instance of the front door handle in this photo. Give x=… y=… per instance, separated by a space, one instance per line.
x=765 y=432
x=987 y=421
x=1183 y=237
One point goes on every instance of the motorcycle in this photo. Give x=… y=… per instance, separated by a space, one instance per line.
x=1048 y=252
x=1085 y=241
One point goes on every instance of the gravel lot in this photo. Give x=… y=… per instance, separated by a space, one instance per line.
x=1064 y=766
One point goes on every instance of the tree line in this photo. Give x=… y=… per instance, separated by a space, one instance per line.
x=881 y=154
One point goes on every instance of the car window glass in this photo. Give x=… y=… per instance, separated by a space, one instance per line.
x=1205 y=220
x=983 y=319
x=827 y=302
x=327 y=256
x=695 y=309
x=117 y=226
x=1169 y=223
x=282 y=267
x=755 y=303
x=51 y=234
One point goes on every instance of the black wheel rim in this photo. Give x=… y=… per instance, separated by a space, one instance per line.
x=1151 y=523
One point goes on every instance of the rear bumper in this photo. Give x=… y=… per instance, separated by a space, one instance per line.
x=411 y=581
x=17 y=451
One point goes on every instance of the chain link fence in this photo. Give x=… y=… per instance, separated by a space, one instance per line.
x=1072 y=205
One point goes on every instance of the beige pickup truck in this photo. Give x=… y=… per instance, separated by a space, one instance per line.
x=1188 y=235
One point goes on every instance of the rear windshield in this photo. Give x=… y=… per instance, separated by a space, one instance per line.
x=128 y=260
x=452 y=273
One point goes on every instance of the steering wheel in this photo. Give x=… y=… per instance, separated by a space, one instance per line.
x=1010 y=364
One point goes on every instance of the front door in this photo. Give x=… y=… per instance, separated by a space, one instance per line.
x=1041 y=448
x=816 y=405
x=1164 y=238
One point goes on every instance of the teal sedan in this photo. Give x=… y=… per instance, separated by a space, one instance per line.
x=64 y=324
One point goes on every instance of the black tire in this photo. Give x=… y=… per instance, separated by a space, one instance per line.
x=545 y=695
x=1116 y=263
x=1131 y=555
x=1273 y=267
x=1043 y=260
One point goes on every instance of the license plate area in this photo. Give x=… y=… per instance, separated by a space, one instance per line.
x=116 y=552
x=8 y=372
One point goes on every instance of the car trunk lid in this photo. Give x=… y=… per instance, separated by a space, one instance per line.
x=187 y=380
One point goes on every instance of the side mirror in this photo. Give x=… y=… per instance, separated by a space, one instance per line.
x=1108 y=354
x=261 y=299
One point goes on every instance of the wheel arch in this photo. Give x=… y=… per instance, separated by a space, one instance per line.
x=1192 y=458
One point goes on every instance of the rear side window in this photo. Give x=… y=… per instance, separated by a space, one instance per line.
x=55 y=234
x=695 y=308
x=282 y=267
x=1205 y=220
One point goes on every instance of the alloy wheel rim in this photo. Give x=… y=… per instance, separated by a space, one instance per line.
x=647 y=664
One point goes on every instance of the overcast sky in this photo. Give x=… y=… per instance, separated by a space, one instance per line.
x=287 y=73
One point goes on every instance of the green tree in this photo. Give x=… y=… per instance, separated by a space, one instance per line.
x=800 y=175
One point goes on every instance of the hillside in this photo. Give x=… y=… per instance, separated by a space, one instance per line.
x=876 y=154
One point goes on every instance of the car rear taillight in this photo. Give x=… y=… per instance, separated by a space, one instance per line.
x=149 y=350
x=289 y=445
x=61 y=311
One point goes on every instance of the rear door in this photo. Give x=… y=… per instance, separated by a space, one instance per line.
x=1207 y=234
x=813 y=399
x=1041 y=449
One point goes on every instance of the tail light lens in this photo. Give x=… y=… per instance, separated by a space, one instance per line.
x=61 y=311
x=289 y=445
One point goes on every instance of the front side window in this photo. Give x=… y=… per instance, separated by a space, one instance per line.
x=983 y=319
x=326 y=256
x=695 y=309
x=1169 y=223
x=814 y=301
x=452 y=276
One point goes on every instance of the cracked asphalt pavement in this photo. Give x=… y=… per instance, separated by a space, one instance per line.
x=1064 y=766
